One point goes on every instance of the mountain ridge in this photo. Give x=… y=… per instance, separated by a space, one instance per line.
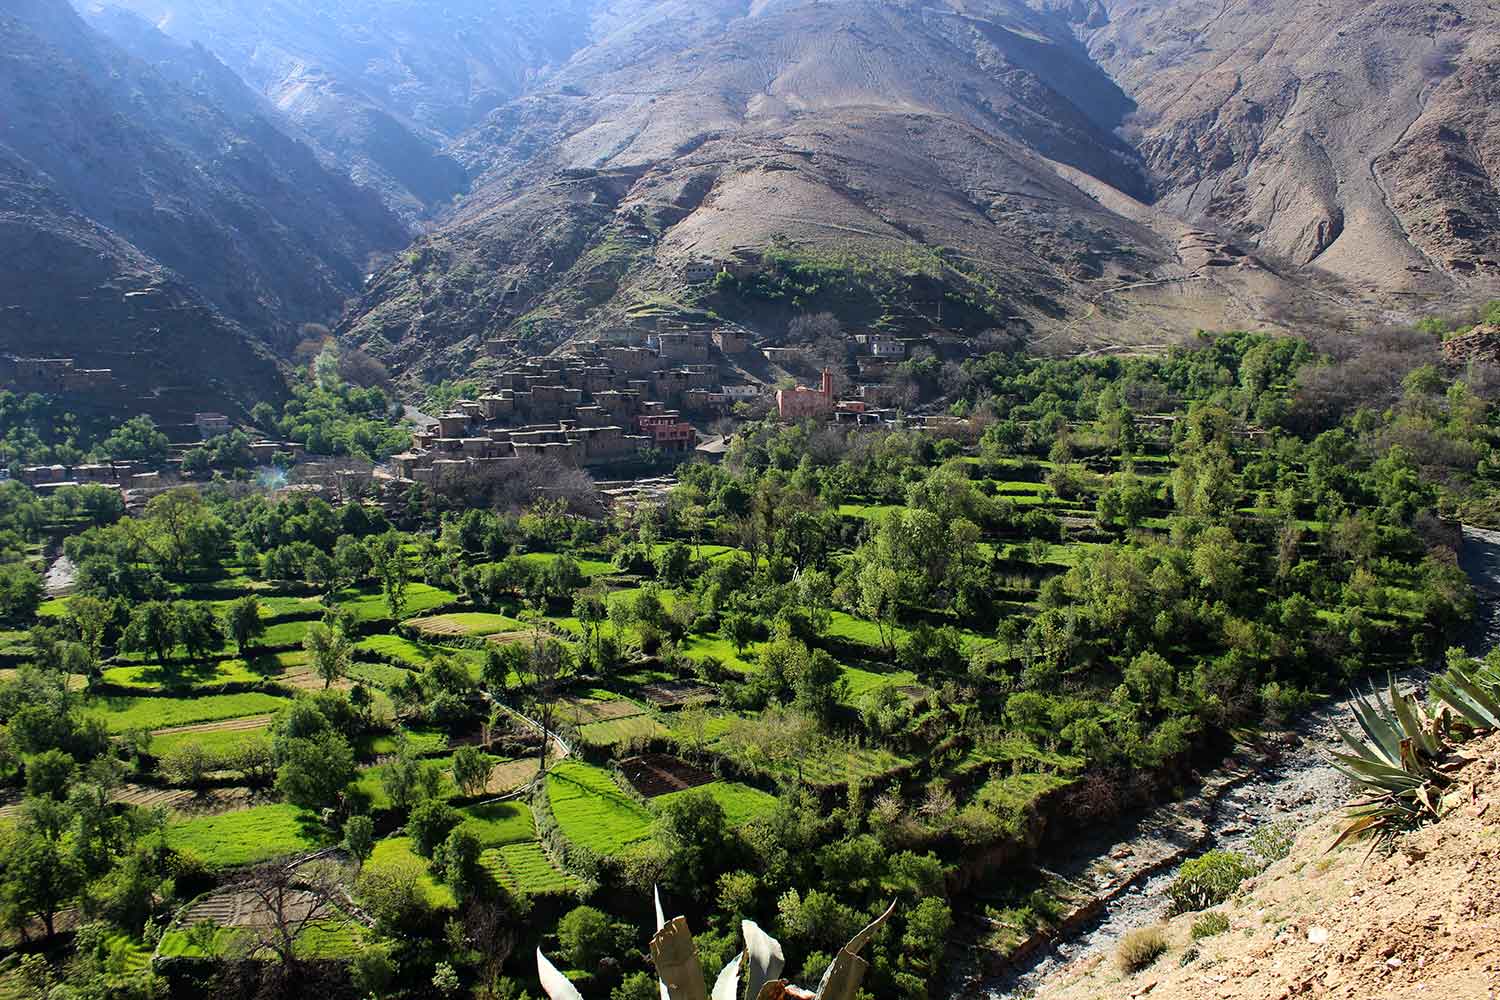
x=1086 y=173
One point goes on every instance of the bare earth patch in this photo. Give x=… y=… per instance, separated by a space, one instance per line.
x=656 y=774
x=187 y=802
x=581 y=711
x=670 y=694
x=510 y=775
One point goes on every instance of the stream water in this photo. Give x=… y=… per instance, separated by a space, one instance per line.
x=1299 y=787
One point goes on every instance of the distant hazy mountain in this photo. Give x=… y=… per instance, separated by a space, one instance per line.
x=383 y=84
x=181 y=163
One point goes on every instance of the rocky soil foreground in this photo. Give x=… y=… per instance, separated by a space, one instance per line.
x=1419 y=920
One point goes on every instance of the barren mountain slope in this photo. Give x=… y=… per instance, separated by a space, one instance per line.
x=1310 y=127
x=70 y=288
x=931 y=141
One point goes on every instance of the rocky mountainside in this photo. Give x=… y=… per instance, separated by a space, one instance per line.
x=1107 y=172
x=1087 y=172
x=932 y=144
x=1353 y=136
x=176 y=180
x=71 y=288
x=1417 y=918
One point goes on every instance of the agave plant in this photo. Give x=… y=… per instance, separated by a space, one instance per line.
x=1394 y=760
x=681 y=975
x=1472 y=691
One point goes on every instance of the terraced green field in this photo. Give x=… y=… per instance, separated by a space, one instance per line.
x=499 y=823
x=368 y=604
x=398 y=851
x=861 y=682
x=215 y=743
x=467 y=623
x=700 y=647
x=380 y=675
x=589 y=567
x=326 y=939
x=525 y=867
x=592 y=810
x=177 y=676
x=616 y=731
x=741 y=803
x=122 y=713
x=420 y=741
x=246 y=836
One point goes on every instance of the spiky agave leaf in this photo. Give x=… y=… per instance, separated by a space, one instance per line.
x=676 y=959
x=727 y=985
x=763 y=958
x=1466 y=694
x=661 y=921
x=1380 y=726
x=1373 y=774
x=554 y=983
x=1413 y=720
x=844 y=974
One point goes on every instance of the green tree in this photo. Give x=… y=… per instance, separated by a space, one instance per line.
x=313 y=772
x=359 y=838
x=407 y=779
x=196 y=462
x=137 y=440
x=636 y=986
x=586 y=937
x=329 y=651
x=456 y=862
x=39 y=877
x=699 y=842
x=21 y=593
x=243 y=622
x=429 y=825
x=152 y=629
x=591 y=611
x=198 y=630
x=49 y=774
x=91 y=620
x=471 y=770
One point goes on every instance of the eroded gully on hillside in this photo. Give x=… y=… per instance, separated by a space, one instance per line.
x=1129 y=868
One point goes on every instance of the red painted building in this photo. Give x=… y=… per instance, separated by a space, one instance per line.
x=801 y=403
x=667 y=431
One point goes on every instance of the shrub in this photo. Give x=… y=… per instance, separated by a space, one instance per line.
x=636 y=986
x=586 y=936
x=1210 y=924
x=430 y=824
x=1140 y=948
x=1273 y=841
x=1208 y=880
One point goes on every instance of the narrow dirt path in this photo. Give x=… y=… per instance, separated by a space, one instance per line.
x=1297 y=789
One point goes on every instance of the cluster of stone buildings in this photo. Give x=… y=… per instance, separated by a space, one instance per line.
x=608 y=401
x=803 y=403
x=53 y=375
